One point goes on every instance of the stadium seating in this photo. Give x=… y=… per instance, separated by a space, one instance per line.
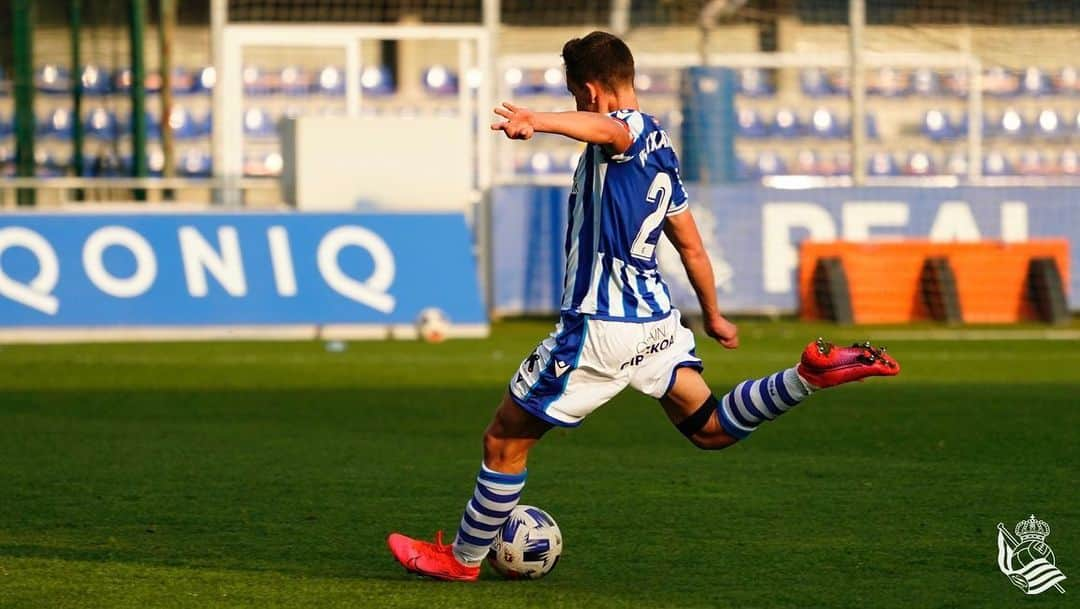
x=7 y=125
x=806 y=163
x=1049 y=124
x=751 y=125
x=1011 y=124
x=926 y=83
x=956 y=83
x=815 y=83
x=754 y=82
x=919 y=163
x=995 y=163
x=295 y=81
x=194 y=164
x=824 y=124
x=882 y=164
x=57 y=125
x=540 y=163
x=1070 y=162
x=183 y=125
x=938 y=126
x=1036 y=83
x=331 y=82
x=1032 y=163
x=51 y=79
x=440 y=80
x=1066 y=81
x=259 y=124
x=889 y=82
x=376 y=80
x=204 y=80
x=95 y=81
x=257 y=82
x=101 y=124
x=1001 y=82
x=770 y=163
x=956 y=163
x=787 y=124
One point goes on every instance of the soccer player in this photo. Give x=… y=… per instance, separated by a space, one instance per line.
x=617 y=326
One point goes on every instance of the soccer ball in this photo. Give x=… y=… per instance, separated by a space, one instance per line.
x=528 y=546
x=432 y=325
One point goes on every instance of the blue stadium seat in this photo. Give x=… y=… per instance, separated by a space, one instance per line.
x=204 y=80
x=294 y=81
x=7 y=125
x=754 y=82
x=256 y=82
x=47 y=165
x=995 y=163
x=926 y=82
x=101 y=124
x=956 y=163
x=1001 y=82
x=824 y=124
x=1032 y=163
x=58 y=125
x=881 y=164
x=439 y=80
x=840 y=165
x=95 y=81
x=555 y=81
x=919 y=163
x=1049 y=124
x=956 y=83
x=263 y=165
x=938 y=126
x=183 y=82
x=194 y=164
x=1036 y=83
x=258 y=123
x=889 y=82
x=121 y=80
x=770 y=163
x=840 y=81
x=539 y=163
x=205 y=126
x=786 y=124
x=751 y=125
x=745 y=170
x=52 y=79
x=1070 y=162
x=183 y=125
x=377 y=80
x=806 y=163
x=815 y=83
x=1067 y=81
x=1011 y=124
x=331 y=82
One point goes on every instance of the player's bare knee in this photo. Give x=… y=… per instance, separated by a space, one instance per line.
x=711 y=440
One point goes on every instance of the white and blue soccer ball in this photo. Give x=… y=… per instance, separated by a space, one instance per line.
x=528 y=546
x=432 y=325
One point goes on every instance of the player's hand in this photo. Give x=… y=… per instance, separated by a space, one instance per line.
x=725 y=332
x=518 y=124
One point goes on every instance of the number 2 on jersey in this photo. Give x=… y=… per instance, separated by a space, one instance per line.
x=659 y=194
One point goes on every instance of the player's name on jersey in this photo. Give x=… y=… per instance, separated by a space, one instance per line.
x=653 y=141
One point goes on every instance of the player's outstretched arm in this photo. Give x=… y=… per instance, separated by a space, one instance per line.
x=590 y=127
x=683 y=233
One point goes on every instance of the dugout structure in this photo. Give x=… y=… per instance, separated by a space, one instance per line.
x=904 y=281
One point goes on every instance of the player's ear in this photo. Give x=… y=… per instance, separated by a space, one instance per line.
x=594 y=94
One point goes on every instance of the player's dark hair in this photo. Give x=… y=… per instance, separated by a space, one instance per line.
x=599 y=57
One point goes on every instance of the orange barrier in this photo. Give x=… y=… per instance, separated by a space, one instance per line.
x=883 y=277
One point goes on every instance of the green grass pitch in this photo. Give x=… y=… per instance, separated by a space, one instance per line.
x=269 y=474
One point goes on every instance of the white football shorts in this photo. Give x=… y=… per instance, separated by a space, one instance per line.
x=586 y=362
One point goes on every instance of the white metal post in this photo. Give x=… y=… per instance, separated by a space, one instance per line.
x=219 y=15
x=487 y=48
x=975 y=123
x=857 y=24
x=352 y=78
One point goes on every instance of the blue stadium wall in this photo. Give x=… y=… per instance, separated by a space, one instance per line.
x=753 y=233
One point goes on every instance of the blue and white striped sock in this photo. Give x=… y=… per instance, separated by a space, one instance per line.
x=752 y=402
x=495 y=496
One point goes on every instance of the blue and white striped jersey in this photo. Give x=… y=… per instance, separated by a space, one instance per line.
x=617 y=209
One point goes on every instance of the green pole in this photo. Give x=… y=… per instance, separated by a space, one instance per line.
x=75 y=9
x=22 y=35
x=138 y=95
x=166 y=30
